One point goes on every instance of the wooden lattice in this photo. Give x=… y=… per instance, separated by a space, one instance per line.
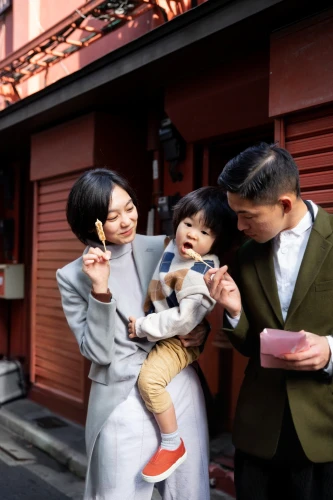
x=80 y=29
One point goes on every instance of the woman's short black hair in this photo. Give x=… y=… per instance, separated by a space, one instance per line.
x=89 y=200
x=261 y=174
x=218 y=216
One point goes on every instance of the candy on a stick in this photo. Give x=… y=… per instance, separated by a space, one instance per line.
x=100 y=232
x=196 y=256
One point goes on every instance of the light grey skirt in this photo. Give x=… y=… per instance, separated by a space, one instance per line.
x=130 y=437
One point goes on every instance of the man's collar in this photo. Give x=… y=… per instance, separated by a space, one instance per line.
x=304 y=224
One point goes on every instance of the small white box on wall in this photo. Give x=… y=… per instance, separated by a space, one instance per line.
x=12 y=383
x=11 y=281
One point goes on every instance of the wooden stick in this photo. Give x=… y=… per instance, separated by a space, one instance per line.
x=197 y=257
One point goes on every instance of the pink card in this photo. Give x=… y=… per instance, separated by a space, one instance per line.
x=274 y=343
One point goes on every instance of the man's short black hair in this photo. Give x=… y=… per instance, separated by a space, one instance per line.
x=218 y=216
x=261 y=173
x=89 y=200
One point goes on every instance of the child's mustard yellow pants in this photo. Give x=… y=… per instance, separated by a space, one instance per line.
x=163 y=363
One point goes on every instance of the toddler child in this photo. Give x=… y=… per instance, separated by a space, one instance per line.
x=177 y=302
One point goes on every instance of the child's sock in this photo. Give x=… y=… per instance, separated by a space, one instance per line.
x=170 y=441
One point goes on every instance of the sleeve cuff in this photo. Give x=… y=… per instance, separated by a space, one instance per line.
x=233 y=321
x=102 y=297
x=330 y=343
x=329 y=367
x=138 y=327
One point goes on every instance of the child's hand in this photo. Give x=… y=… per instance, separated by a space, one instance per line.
x=131 y=328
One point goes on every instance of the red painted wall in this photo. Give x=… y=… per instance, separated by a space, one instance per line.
x=64 y=148
x=301 y=65
x=227 y=98
x=9 y=32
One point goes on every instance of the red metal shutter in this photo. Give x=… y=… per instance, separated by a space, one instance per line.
x=309 y=138
x=57 y=365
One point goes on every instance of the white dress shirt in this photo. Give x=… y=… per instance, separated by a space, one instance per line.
x=288 y=252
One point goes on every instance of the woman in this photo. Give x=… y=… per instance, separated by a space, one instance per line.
x=99 y=291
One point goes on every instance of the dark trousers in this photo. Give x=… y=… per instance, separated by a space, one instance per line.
x=289 y=475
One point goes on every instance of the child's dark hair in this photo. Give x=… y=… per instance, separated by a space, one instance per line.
x=218 y=216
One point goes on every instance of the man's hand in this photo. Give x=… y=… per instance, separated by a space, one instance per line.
x=224 y=290
x=196 y=337
x=314 y=358
x=131 y=327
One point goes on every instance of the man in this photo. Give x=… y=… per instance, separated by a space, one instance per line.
x=283 y=431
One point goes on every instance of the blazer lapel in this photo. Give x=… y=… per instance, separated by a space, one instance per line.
x=315 y=254
x=265 y=269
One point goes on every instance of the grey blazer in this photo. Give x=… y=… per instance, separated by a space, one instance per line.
x=93 y=324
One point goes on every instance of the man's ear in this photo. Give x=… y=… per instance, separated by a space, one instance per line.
x=286 y=203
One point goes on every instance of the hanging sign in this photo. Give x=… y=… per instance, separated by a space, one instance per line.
x=4 y=5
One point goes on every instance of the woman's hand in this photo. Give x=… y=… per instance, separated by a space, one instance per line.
x=196 y=337
x=131 y=327
x=96 y=265
x=224 y=290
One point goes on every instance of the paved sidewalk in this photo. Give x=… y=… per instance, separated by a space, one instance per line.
x=64 y=440
x=60 y=438
x=28 y=473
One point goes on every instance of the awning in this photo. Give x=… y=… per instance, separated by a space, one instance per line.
x=146 y=56
x=87 y=24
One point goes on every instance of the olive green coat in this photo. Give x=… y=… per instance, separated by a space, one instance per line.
x=263 y=393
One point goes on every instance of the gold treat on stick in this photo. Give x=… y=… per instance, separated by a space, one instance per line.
x=197 y=257
x=100 y=232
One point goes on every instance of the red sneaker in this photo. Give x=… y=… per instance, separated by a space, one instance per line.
x=163 y=463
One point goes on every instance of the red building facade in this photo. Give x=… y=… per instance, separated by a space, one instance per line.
x=226 y=75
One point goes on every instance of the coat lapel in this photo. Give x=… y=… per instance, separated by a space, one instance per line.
x=315 y=254
x=265 y=269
